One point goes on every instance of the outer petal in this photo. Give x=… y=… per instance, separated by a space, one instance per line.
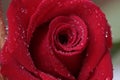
x=104 y=70
x=31 y=6
x=97 y=41
x=16 y=35
x=15 y=48
x=23 y=10
x=12 y=70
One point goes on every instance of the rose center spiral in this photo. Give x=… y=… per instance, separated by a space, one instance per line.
x=63 y=38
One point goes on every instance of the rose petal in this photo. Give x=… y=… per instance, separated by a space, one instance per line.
x=48 y=10
x=13 y=71
x=45 y=60
x=30 y=5
x=17 y=36
x=97 y=42
x=104 y=69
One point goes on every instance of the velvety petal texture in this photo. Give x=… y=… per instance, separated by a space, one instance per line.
x=56 y=40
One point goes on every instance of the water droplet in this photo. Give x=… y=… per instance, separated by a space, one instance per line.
x=90 y=11
x=73 y=34
x=108 y=78
x=16 y=33
x=106 y=34
x=22 y=37
x=102 y=73
x=98 y=24
x=22 y=67
x=87 y=54
x=23 y=31
x=28 y=54
x=23 y=10
x=68 y=75
x=96 y=16
x=96 y=11
x=27 y=45
x=77 y=22
x=81 y=44
x=5 y=38
x=6 y=28
x=71 y=2
x=59 y=4
x=19 y=28
x=17 y=17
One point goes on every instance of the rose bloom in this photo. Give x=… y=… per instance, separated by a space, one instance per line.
x=56 y=40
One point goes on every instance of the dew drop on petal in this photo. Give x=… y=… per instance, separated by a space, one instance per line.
x=81 y=44
x=17 y=17
x=19 y=27
x=16 y=33
x=106 y=34
x=23 y=31
x=96 y=11
x=22 y=37
x=96 y=16
x=77 y=22
x=102 y=74
x=59 y=4
x=87 y=54
x=23 y=10
x=6 y=28
x=25 y=43
x=28 y=54
x=5 y=38
x=71 y=2
x=28 y=45
x=98 y=24
x=107 y=78
x=22 y=67
x=14 y=39
x=68 y=75
x=73 y=34
x=90 y=11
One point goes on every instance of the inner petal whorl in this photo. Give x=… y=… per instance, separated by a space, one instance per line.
x=68 y=39
x=63 y=38
x=68 y=34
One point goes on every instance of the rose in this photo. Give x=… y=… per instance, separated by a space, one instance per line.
x=56 y=39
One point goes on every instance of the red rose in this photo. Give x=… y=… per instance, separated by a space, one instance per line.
x=56 y=40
